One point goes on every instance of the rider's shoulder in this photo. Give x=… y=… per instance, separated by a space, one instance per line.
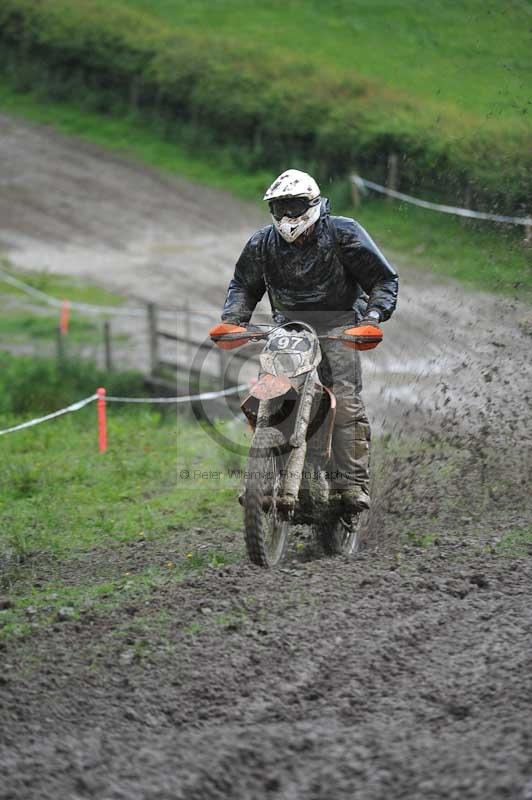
x=347 y=228
x=259 y=238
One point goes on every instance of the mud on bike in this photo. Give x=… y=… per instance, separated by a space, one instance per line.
x=290 y=468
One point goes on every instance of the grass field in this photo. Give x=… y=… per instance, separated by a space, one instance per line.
x=471 y=59
x=18 y=327
x=69 y=498
x=341 y=86
x=29 y=324
x=56 y=286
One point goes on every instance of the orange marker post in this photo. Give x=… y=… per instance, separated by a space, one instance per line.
x=102 y=420
x=64 y=318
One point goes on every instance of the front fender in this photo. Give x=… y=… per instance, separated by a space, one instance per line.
x=269 y=386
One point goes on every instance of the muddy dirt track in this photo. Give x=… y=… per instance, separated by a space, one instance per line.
x=406 y=673
x=333 y=681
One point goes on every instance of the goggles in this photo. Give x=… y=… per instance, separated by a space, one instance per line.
x=290 y=207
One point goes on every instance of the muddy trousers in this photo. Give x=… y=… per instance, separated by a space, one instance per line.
x=341 y=371
x=351 y=445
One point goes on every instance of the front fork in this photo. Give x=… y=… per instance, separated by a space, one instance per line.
x=297 y=442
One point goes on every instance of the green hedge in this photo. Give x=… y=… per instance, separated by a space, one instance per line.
x=130 y=61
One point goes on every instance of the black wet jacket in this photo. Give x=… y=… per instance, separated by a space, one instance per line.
x=325 y=275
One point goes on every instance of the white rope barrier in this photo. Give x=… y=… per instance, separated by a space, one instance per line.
x=181 y=399
x=362 y=183
x=67 y=410
x=122 y=311
x=82 y=403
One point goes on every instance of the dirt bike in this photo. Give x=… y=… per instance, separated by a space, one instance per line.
x=288 y=478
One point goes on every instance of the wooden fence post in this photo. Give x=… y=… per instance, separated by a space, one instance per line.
x=467 y=203
x=188 y=333
x=152 y=337
x=108 y=361
x=355 y=193
x=186 y=320
x=133 y=95
x=60 y=342
x=392 y=176
x=527 y=241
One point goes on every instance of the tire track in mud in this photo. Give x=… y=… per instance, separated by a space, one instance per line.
x=384 y=684
x=404 y=674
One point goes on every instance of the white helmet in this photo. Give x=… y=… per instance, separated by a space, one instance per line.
x=294 y=200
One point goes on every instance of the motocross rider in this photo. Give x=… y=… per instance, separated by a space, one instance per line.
x=328 y=272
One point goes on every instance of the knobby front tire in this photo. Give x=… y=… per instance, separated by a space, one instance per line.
x=266 y=533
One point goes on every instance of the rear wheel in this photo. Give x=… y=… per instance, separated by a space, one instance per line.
x=341 y=535
x=266 y=532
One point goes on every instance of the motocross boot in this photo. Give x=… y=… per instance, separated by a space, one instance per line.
x=355 y=498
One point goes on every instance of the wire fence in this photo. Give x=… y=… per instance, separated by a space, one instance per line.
x=146 y=333
x=363 y=183
x=101 y=396
x=89 y=308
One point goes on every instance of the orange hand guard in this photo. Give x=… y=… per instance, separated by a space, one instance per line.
x=367 y=337
x=223 y=329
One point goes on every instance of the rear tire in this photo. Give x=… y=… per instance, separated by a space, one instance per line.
x=266 y=533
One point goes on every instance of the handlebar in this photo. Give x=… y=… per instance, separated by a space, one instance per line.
x=252 y=331
x=228 y=335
